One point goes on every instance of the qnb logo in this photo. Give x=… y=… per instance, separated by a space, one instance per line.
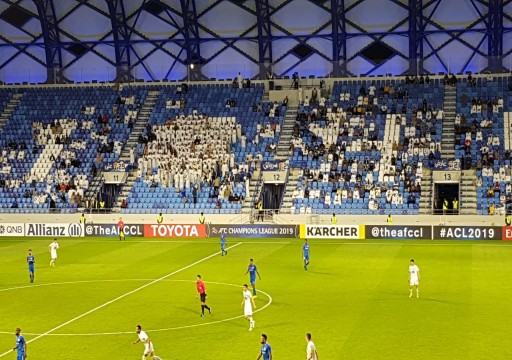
x=75 y=230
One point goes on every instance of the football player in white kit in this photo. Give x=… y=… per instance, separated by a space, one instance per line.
x=248 y=304
x=148 y=345
x=414 y=278
x=311 y=353
x=53 y=247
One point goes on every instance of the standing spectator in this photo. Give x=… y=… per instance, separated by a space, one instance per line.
x=132 y=156
x=239 y=80
x=194 y=194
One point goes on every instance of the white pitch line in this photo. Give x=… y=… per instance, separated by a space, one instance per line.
x=163 y=329
x=69 y=283
x=121 y=297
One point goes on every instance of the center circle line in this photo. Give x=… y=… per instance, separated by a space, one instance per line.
x=131 y=332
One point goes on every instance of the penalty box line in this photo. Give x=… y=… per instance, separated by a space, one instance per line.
x=122 y=297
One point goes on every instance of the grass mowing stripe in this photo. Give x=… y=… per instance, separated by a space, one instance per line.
x=122 y=296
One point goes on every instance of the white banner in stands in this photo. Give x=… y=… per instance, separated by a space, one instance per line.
x=12 y=229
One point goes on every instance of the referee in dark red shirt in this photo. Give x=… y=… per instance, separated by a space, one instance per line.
x=201 y=289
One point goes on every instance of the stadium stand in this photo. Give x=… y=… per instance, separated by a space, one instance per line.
x=363 y=148
x=482 y=129
x=200 y=147
x=57 y=140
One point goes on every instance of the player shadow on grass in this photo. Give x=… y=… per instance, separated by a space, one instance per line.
x=318 y=272
x=187 y=309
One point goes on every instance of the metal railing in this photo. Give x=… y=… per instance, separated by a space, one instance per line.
x=257 y=189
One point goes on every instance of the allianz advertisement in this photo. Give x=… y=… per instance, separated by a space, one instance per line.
x=42 y=230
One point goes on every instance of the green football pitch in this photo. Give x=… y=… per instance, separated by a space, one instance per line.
x=354 y=299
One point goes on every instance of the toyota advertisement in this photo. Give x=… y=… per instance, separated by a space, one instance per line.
x=175 y=230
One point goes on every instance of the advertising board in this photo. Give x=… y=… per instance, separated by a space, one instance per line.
x=54 y=230
x=12 y=229
x=131 y=230
x=175 y=230
x=398 y=232
x=467 y=232
x=254 y=230
x=332 y=231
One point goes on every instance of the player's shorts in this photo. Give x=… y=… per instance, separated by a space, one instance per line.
x=253 y=280
x=306 y=257
x=203 y=297
x=54 y=255
x=21 y=356
x=148 y=348
x=248 y=310
x=414 y=282
x=31 y=268
x=121 y=233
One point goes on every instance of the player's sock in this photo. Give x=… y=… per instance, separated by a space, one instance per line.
x=202 y=310
x=410 y=292
x=417 y=293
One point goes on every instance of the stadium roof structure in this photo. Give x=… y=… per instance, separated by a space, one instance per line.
x=106 y=40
